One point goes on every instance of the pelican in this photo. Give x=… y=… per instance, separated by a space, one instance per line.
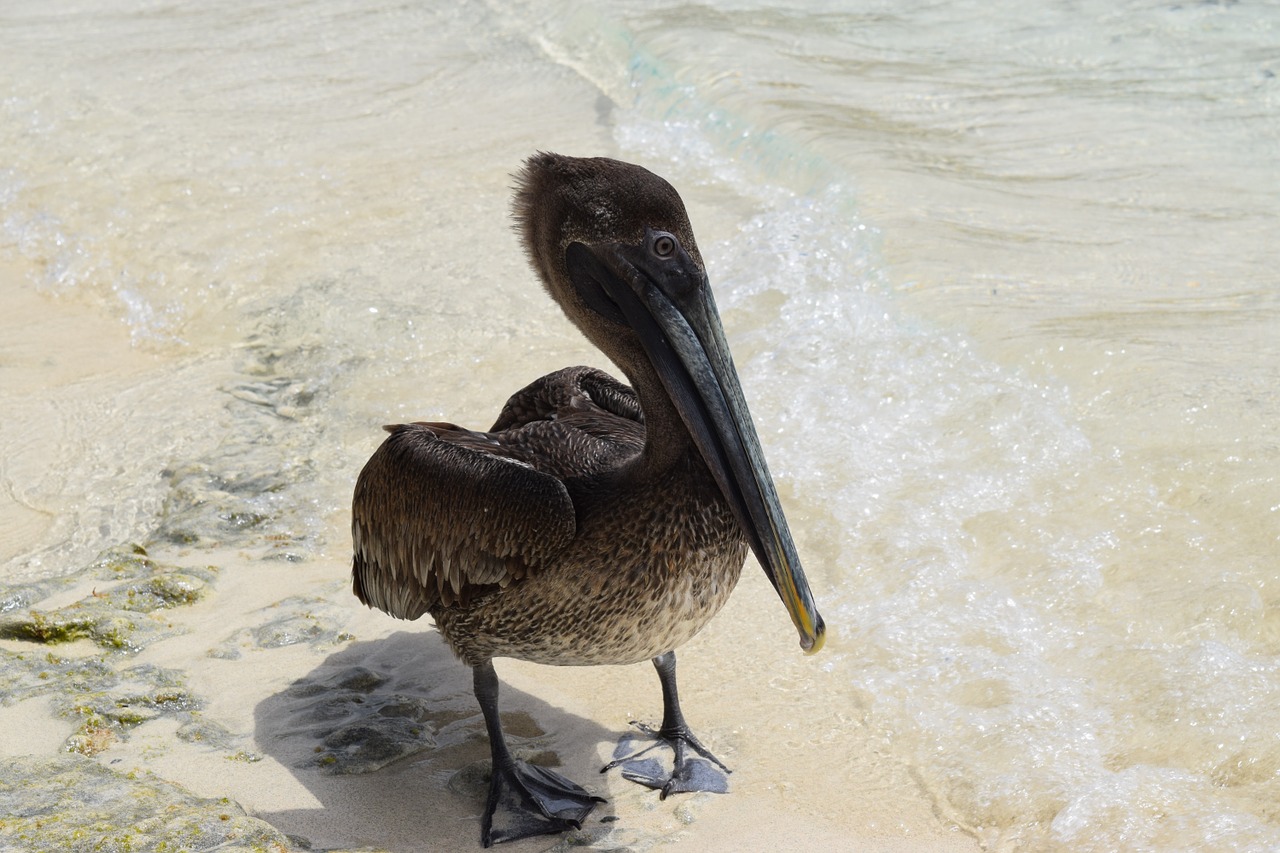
x=594 y=523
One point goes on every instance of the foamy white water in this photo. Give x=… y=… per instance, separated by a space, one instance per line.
x=1000 y=281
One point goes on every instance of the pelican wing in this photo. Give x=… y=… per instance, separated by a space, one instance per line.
x=441 y=513
x=582 y=392
x=575 y=422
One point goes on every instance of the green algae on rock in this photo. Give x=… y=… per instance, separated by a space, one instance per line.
x=138 y=695
x=123 y=617
x=107 y=703
x=23 y=675
x=71 y=803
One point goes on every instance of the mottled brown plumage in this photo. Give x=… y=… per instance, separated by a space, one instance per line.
x=593 y=523
x=548 y=539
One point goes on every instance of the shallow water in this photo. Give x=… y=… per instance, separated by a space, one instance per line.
x=1000 y=282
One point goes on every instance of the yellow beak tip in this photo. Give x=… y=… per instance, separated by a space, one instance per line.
x=812 y=647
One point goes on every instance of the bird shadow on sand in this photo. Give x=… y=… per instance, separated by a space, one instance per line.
x=387 y=737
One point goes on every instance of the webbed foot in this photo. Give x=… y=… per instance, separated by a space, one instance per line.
x=526 y=800
x=689 y=773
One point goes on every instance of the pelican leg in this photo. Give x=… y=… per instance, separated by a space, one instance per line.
x=528 y=800
x=688 y=773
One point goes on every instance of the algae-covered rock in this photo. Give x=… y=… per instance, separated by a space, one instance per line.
x=197 y=729
x=106 y=703
x=163 y=591
x=70 y=803
x=122 y=616
x=94 y=622
x=138 y=695
x=27 y=674
x=124 y=561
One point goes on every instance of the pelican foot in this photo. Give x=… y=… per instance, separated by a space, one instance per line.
x=689 y=773
x=527 y=800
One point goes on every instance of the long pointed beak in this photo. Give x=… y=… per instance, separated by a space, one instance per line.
x=675 y=316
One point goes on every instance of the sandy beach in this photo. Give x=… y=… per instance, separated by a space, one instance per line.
x=806 y=773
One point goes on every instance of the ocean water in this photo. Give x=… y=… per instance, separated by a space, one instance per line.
x=1000 y=281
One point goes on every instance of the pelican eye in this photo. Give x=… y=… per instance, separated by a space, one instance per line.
x=664 y=246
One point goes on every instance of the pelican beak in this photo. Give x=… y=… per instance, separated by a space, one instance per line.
x=662 y=293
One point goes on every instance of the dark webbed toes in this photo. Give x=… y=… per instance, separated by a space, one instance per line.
x=527 y=800
x=688 y=773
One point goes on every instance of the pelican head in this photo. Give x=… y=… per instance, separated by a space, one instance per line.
x=613 y=246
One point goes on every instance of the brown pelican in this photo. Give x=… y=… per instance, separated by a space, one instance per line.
x=593 y=523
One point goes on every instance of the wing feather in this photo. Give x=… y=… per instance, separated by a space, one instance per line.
x=435 y=522
x=572 y=391
x=442 y=514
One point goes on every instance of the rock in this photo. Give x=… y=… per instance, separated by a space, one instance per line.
x=74 y=804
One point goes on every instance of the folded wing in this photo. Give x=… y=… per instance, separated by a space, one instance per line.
x=442 y=514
